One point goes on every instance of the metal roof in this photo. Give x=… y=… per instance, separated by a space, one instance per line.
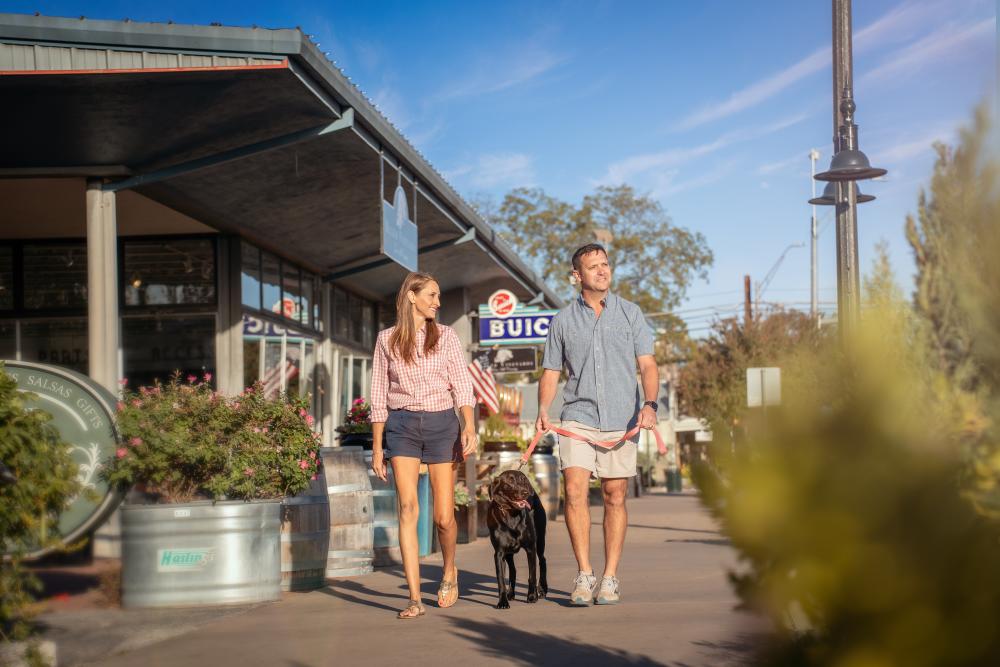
x=216 y=46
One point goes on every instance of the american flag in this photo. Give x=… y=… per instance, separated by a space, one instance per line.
x=484 y=385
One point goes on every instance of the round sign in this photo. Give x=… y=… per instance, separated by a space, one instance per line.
x=502 y=303
x=83 y=413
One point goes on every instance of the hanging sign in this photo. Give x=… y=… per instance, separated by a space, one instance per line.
x=399 y=233
x=522 y=325
x=510 y=359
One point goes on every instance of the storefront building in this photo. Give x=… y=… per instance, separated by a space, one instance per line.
x=219 y=202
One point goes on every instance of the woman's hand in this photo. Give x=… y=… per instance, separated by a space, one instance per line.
x=379 y=466
x=470 y=442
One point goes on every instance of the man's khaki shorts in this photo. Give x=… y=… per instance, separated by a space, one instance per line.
x=618 y=461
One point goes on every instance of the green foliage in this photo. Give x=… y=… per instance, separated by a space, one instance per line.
x=358 y=418
x=654 y=261
x=845 y=506
x=183 y=441
x=712 y=385
x=29 y=509
x=462 y=496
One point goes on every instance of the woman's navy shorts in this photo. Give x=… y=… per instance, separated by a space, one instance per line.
x=431 y=437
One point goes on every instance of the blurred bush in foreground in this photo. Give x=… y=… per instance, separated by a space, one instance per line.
x=863 y=508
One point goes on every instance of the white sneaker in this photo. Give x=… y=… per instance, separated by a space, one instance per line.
x=583 y=590
x=610 y=592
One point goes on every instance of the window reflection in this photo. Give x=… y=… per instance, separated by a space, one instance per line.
x=6 y=278
x=55 y=276
x=8 y=339
x=271 y=278
x=169 y=273
x=157 y=346
x=250 y=275
x=62 y=342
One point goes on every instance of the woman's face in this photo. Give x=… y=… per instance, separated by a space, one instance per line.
x=427 y=301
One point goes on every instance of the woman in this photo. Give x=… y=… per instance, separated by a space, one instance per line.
x=419 y=376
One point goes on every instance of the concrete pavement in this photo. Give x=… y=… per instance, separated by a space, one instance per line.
x=677 y=610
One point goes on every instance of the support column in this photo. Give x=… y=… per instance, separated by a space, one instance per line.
x=326 y=385
x=229 y=325
x=102 y=287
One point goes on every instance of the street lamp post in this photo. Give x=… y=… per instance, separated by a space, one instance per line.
x=847 y=166
x=814 y=242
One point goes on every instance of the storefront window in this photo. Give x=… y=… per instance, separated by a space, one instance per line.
x=169 y=273
x=341 y=318
x=250 y=276
x=271 y=277
x=291 y=295
x=251 y=360
x=55 y=276
x=61 y=342
x=6 y=278
x=157 y=346
x=8 y=339
x=310 y=314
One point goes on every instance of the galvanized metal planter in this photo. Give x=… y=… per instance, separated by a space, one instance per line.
x=201 y=553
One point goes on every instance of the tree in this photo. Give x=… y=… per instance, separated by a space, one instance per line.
x=654 y=261
x=712 y=384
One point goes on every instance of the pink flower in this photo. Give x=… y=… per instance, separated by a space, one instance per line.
x=236 y=405
x=314 y=477
x=310 y=420
x=312 y=455
x=121 y=452
x=135 y=442
x=208 y=377
x=265 y=429
x=359 y=401
x=248 y=472
x=303 y=464
x=123 y=381
x=302 y=412
x=120 y=406
x=136 y=403
x=191 y=379
x=256 y=429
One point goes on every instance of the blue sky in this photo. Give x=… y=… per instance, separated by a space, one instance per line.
x=712 y=107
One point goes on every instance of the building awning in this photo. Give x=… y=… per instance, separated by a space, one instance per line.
x=249 y=131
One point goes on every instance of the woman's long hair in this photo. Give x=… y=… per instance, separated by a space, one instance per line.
x=403 y=340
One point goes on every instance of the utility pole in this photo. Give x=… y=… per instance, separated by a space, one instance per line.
x=747 y=307
x=814 y=235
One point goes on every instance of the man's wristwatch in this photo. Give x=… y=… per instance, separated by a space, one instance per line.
x=651 y=404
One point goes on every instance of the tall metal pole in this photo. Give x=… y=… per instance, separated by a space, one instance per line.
x=747 y=312
x=848 y=278
x=814 y=238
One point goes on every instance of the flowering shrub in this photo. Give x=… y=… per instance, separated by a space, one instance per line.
x=184 y=441
x=358 y=418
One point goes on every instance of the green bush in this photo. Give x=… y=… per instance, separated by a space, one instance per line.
x=29 y=508
x=183 y=441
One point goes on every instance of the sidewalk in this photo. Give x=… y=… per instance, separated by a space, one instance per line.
x=677 y=610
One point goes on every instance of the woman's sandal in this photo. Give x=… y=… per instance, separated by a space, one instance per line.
x=413 y=610
x=447 y=594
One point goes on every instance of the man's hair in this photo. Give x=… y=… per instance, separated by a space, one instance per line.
x=586 y=250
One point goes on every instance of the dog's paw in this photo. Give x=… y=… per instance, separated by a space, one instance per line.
x=510 y=593
x=543 y=591
x=503 y=604
x=532 y=597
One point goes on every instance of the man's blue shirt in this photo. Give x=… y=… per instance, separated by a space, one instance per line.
x=599 y=354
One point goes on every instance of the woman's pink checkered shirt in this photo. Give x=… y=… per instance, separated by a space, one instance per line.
x=432 y=382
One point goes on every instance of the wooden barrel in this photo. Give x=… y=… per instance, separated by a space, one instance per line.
x=385 y=520
x=305 y=537
x=349 y=490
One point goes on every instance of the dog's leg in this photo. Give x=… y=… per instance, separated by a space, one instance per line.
x=513 y=575
x=532 y=576
x=502 y=603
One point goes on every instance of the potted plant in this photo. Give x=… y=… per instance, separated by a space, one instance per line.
x=357 y=427
x=464 y=501
x=215 y=470
x=38 y=478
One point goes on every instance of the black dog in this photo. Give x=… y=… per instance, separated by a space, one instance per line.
x=516 y=520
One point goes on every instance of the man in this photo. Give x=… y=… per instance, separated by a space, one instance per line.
x=598 y=338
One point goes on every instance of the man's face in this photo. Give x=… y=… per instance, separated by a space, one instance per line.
x=595 y=272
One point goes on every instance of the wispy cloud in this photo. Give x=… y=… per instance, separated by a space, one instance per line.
x=503 y=71
x=932 y=48
x=713 y=175
x=771 y=167
x=624 y=170
x=900 y=18
x=909 y=149
x=496 y=170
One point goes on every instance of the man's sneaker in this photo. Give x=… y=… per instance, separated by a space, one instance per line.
x=583 y=590
x=610 y=591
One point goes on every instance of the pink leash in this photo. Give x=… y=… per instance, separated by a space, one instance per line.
x=600 y=443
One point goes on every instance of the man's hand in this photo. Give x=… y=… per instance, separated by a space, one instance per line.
x=647 y=418
x=542 y=423
x=470 y=442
